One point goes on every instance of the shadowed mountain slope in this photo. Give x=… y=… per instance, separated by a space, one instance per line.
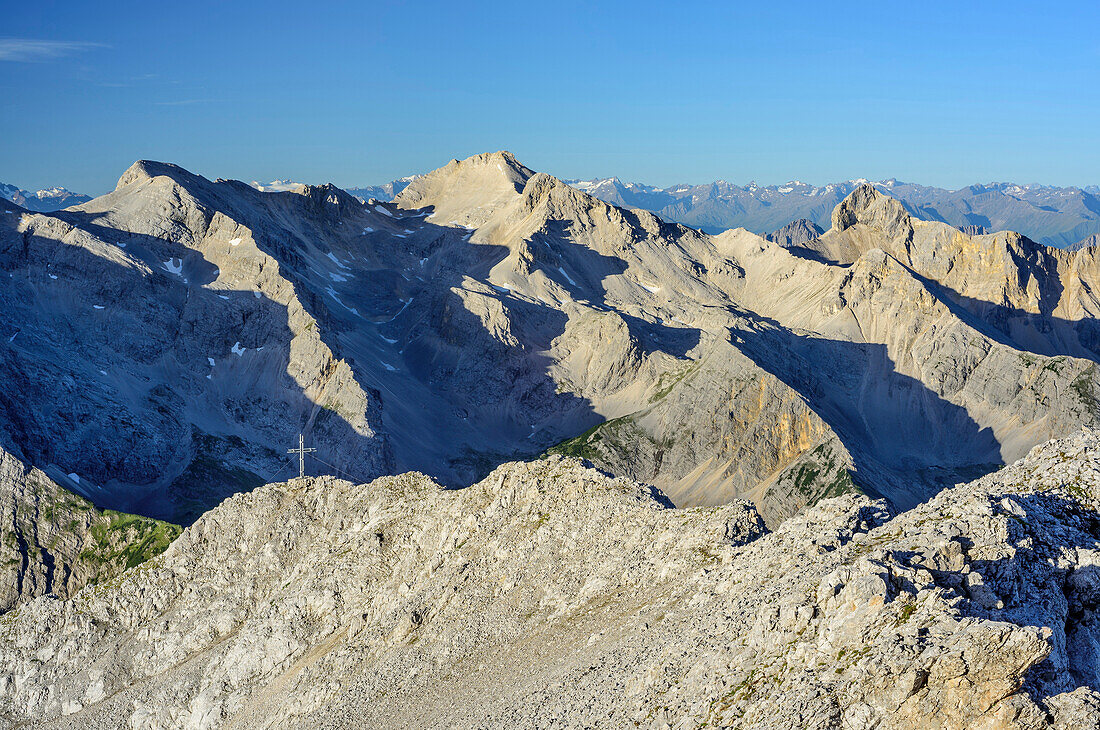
x=169 y=340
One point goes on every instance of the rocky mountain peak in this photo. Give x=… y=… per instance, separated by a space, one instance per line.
x=148 y=169
x=795 y=233
x=469 y=190
x=868 y=206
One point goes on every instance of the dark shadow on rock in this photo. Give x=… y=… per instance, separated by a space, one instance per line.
x=895 y=427
x=1040 y=333
x=107 y=376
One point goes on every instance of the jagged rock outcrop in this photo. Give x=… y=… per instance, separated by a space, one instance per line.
x=1090 y=242
x=551 y=595
x=53 y=541
x=795 y=233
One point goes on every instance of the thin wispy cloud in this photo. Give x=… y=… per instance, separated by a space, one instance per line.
x=35 y=49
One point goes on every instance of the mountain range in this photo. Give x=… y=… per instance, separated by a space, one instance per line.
x=167 y=342
x=1055 y=216
x=44 y=201
x=809 y=400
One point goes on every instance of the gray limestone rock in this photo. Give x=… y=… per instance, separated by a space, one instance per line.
x=550 y=595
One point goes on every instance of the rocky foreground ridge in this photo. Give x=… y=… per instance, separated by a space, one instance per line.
x=551 y=595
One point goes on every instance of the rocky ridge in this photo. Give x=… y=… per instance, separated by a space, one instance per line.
x=318 y=603
x=57 y=542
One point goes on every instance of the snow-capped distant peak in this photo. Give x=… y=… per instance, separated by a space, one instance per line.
x=278 y=186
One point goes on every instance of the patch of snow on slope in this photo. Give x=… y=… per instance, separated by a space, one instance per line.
x=237 y=349
x=337 y=261
x=174 y=268
x=407 y=303
x=649 y=288
x=235 y=242
x=567 y=276
x=332 y=293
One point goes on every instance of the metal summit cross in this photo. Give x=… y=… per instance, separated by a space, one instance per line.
x=301 y=451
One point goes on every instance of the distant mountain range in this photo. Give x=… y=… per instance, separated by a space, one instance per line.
x=1051 y=215
x=1055 y=216
x=42 y=201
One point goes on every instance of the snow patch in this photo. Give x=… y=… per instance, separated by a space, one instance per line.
x=73 y=475
x=332 y=293
x=237 y=349
x=222 y=296
x=53 y=276
x=567 y=276
x=257 y=294
x=407 y=303
x=235 y=242
x=649 y=288
x=174 y=268
x=386 y=365
x=211 y=361
x=383 y=211
x=98 y=306
x=387 y=339
x=337 y=261
x=337 y=277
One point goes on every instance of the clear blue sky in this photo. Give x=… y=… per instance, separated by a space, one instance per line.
x=357 y=93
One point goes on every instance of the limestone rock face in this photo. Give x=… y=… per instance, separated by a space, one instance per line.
x=551 y=595
x=795 y=233
x=53 y=541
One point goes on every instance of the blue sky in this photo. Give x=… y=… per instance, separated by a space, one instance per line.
x=358 y=93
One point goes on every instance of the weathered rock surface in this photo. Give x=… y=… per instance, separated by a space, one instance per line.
x=550 y=595
x=53 y=541
x=795 y=233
